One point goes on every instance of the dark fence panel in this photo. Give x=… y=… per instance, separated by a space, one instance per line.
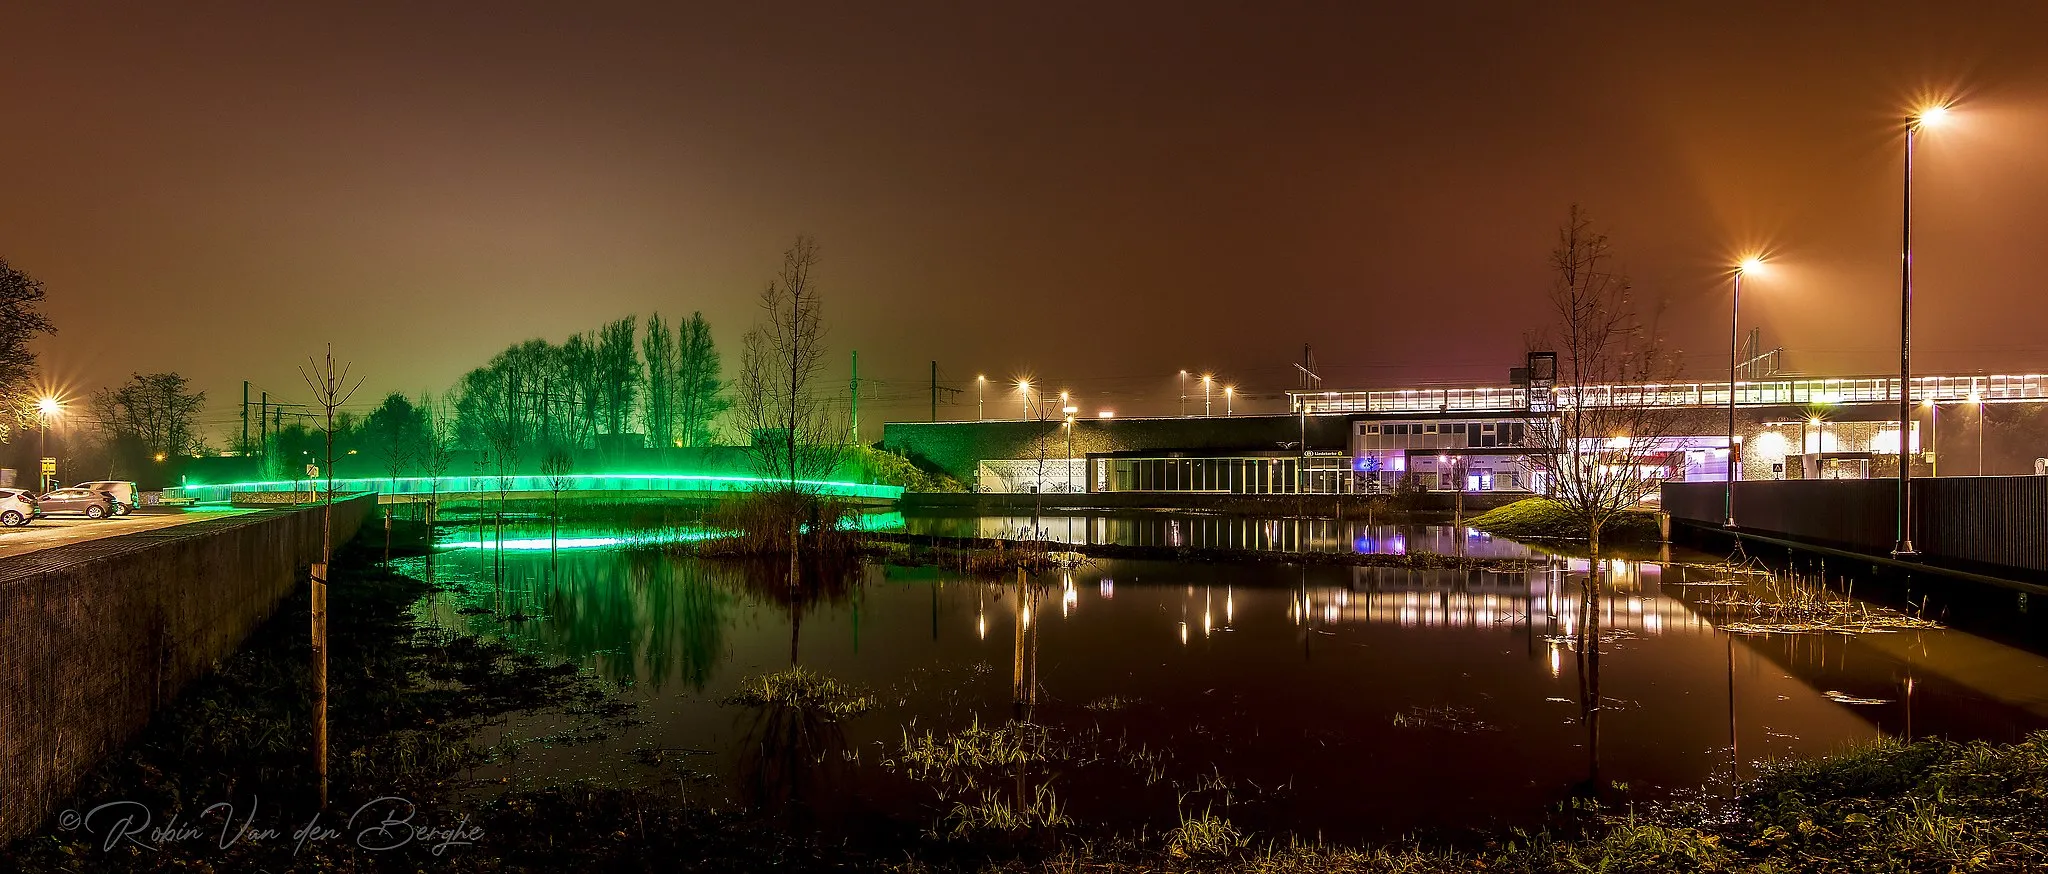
x=1994 y=521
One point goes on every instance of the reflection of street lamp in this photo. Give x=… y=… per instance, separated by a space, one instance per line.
x=1929 y=115
x=1978 y=399
x=1748 y=265
x=1933 y=437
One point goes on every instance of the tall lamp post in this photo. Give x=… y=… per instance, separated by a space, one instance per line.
x=1207 y=381
x=980 y=385
x=1930 y=115
x=48 y=409
x=1183 y=394
x=1024 y=397
x=1229 y=396
x=1748 y=265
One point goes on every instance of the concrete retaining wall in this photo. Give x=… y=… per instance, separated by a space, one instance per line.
x=95 y=636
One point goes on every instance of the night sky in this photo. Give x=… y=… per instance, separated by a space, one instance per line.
x=1099 y=194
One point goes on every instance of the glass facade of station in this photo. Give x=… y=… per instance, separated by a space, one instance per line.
x=1226 y=475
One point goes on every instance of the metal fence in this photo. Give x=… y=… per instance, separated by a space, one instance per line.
x=1987 y=388
x=1991 y=521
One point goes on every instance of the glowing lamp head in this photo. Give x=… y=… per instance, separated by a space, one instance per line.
x=1815 y=421
x=1931 y=116
x=48 y=406
x=1750 y=266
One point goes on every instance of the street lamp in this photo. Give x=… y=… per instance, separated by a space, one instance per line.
x=1024 y=396
x=1229 y=392
x=1183 y=394
x=1933 y=114
x=980 y=384
x=1751 y=264
x=1207 y=381
x=48 y=408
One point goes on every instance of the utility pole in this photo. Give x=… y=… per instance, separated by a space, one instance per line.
x=245 y=417
x=935 y=391
x=854 y=385
x=263 y=432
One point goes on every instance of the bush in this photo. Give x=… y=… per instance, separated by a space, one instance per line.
x=775 y=522
x=889 y=468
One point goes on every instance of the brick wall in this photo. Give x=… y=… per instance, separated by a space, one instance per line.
x=95 y=636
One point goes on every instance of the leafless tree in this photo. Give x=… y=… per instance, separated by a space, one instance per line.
x=618 y=370
x=558 y=467
x=699 y=384
x=437 y=449
x=331 y=389
x=658 y=354
x=1602 y=439
x=796 y=438
x=21 y=320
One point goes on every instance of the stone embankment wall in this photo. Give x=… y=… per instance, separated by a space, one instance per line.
x=96 y=636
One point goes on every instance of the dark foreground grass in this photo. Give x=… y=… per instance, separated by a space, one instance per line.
x=408 y=700
x=1931 y=806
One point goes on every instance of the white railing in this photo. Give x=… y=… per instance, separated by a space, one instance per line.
x=1993 y=388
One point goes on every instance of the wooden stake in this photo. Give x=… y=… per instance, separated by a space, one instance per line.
x=320 y=677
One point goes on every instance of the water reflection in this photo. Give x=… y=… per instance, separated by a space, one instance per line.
x=1363 y=702
x=1191 y=530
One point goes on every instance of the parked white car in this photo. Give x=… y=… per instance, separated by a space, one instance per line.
x=125 y=494
x=17 y=507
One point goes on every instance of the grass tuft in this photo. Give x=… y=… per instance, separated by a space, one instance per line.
x=802 y=688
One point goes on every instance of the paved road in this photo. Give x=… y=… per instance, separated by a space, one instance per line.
x=45 y=533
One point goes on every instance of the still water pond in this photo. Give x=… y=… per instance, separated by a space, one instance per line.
x=1354 y=703
x=1217 y=531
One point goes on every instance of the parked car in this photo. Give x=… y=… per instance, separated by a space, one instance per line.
x=125 y=494
x=17 y=507
x=91 y=504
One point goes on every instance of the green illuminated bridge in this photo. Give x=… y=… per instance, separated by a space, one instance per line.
x=448 y=486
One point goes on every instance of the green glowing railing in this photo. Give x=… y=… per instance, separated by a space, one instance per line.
x=581 y=482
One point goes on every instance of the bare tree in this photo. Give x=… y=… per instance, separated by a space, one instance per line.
x=21 y=320
x=1601 y=438
x=331 y=389
x=150 y=416
x=658 y=353
x=700 y=385
x=795 y=438
x=618 y=371
x=558 y=467
x=436 y=451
